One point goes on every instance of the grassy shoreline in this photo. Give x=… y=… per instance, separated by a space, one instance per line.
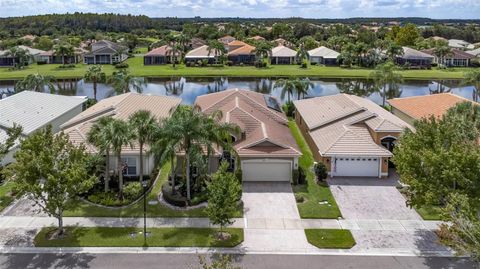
x=138 y=69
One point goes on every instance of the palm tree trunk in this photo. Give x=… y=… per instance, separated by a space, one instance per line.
x=187 y=174
x=141 y=163
x=107 y=171
x=172 y=171
x=120 y=176
x=94 y=89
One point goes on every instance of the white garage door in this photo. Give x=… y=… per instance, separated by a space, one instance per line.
x=270 y=170
x=357 y=167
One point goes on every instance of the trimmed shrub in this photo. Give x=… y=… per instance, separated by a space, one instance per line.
x=299 y=198
x=301 y=176
x=133 y=190
x=295 y=176
x=121 y=65
x=320 y=171
x=304 y=64
x=238 y=174
x=229 y=63
x=313 y=63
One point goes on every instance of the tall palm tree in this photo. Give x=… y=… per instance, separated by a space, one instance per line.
x=263 y=49
x=288 y=87
x=217 y=48
x=442 y=51
x=143 y=125
x=35 y=82
x=301 y=54
x=384 y=76
x=100 y=135
x=302 y=87
x=165 y=149
x=393 y=51
x=95 y=74
x=175 y=47
x=64 y=51
x=183 y=40
x=473 y=78
x=122 y=136
x=122 y=82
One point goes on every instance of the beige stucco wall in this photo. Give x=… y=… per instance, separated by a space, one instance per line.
x=406 y=118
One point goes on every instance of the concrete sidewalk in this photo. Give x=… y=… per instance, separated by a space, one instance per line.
x=250 y=223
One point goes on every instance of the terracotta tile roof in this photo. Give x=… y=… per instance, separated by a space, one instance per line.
x=244 y=50
x=257 y=37
x=237 y=43
x=341 y=124
x=419 y=107
x=266 y=130
x=120 y=107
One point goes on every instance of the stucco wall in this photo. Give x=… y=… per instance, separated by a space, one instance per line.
x=403 y=116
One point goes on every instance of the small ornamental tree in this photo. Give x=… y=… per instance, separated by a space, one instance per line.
x=224 y=192
x=320 y=171
x=50 y=170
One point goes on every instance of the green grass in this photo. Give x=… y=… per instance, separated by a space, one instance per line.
x=430 y=212
x=120 y=237
x=5 y=194
x=138 y=69
x=312 y=192
x=330 y=238
x=83 y=209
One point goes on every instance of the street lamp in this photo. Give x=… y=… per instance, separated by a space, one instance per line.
x=144 y=185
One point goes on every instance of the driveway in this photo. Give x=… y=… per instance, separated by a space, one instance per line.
x=371 y=198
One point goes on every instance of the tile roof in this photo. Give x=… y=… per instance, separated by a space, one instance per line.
x=425 y=106
x=460 y=44
x=164 y=50
x=282 y=51
x=409 y=53
x=243 y=50
x=201 y=52
x=266 y=130
x=30 y=50
x=456 y=54
x=475 y=52
x=323 y=52
x=257 y=37
x=119 y=107
x=341 y=124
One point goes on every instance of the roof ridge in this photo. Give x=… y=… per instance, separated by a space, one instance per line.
x=264 y=108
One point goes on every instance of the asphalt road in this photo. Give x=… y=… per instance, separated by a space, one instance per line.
x=250 y=261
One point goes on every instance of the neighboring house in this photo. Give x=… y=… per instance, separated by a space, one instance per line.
x=201 y=54
x=105 y=52
x=49 y=57
x=6 y=60
x=121 y=107
x=266 y=148
x=196 y=43
x=458 y=58
x=323 y=55
x=283 y=55
x=33 y=111
x=35 y=53
x=161 y=55
x=258 y=38
x=438 y=38
x=414 y=58
x=475 y=52
x=351 y=135
x=242 y=55
x=235 y=45
x=410 y=109
x=226 y=39
x=460 y=44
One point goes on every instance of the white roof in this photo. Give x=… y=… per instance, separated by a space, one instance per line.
x=460 y=44
x=324 y=52
x=201 y=52
x=33 y=110
x=475 y=52
x=282 y=51
x=30 y=50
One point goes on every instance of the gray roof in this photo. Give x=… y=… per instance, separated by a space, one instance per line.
x=459 y=44
x=475 y=52
x=324 y=52
x=30 y=50
x=33 y=110
x=409 y=53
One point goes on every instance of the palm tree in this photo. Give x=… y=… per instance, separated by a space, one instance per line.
x=473 y=78
x=288 y=87
x=122 y=136
x=393 y=51
x=301 y=54
x=165 y=149
x=385 y=76
x=217 y=48
x=183 y=40
x=64 y=51
x=122 y=81
x=22 y=55
x=95 y=74
x=35 y=82
x=143 y=125
x=100 y=135
x=302 y=86
x=175 y=48
x=442 y=51
x=263 y=49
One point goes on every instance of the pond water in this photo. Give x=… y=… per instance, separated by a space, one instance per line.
x=189 y=88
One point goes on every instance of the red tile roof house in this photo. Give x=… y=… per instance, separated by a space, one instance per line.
x=458 y=58
x=241 y=53
x=415 y=108
x=352 y=136
x=266 y=148
x=161 y=55
x=226 y=39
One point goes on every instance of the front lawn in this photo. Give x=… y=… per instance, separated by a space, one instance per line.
x=83 y=209
x=330 y=238
x=130 y=237
x=312 y=192
x=6 y=196
x=430 y=212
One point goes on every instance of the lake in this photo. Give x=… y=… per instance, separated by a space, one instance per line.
x=189 y=88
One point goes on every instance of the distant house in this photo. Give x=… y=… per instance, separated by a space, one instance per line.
x=35 y=53
x=105 y=52
x=414 y=58
x=160 y=55
x=34 y=111
x=460 y=44
x=242 y=55
x=226 y=39
x=6 y=60
x=437 y=38
x=283 y=55
x=456 y=58
x=410 y=109
x=49 y=57
x=323 y=55
x=257 y=38
x=235 y=45
x=196 y=43
x=201 y=54
x=475 y=52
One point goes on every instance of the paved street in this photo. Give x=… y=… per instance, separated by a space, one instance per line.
x=251 y=261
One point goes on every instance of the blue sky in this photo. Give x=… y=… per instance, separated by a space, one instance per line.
x=444 y=9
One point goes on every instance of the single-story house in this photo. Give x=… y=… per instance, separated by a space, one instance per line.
x=201 y=54
x=196 y=43
x=33 y=111
x=105 y=52
x=458 y=58
x=266 y=148
x=475 y=52
x=257 y=38
x=352 y=136
x=235 y=45
x=283 y=55
x=460 y=44
x=161 y=55
x=6 y=60
x=414 y=58
x=323 y=55
x=121 y=107
x=35 y=53
x=242 y=55
x=49 y=57
x=226 y=39
x=410 y=109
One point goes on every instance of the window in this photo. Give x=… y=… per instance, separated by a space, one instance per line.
x=129 y=165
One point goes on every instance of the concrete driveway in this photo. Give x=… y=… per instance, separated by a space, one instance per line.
x=371 y=198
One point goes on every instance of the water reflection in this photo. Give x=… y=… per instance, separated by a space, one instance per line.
x=189 y=88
